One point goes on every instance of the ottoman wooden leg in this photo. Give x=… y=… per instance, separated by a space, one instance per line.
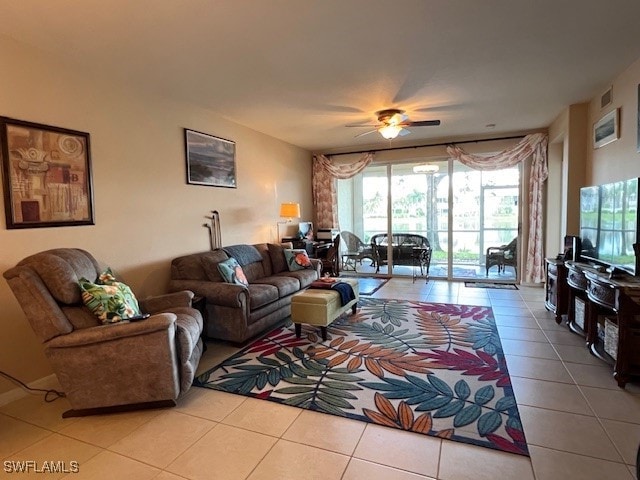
x=298 y=329
x=323 y=330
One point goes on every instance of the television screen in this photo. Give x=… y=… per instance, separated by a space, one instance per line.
x=609 y=223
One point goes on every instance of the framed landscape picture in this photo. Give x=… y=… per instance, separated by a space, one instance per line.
x=606 y=130
x=211 y=160
x=46 y=175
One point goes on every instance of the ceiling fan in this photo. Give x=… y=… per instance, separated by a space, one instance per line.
x=393 y=122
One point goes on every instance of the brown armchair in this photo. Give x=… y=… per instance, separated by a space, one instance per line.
x=505 y=255
x=103 y=368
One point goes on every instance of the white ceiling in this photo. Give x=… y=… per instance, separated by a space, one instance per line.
x=300 y=70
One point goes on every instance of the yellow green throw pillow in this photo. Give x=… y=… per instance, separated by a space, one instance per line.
x=109 y=300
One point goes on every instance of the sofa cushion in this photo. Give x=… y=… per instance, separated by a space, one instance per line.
x=286 y=285
x=209 y=266
x=261 y=294
x=304 y=277
x=232 y=272
x=297 y=259
x=278 y=261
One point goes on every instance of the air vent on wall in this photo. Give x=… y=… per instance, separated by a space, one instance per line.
x=606 y=98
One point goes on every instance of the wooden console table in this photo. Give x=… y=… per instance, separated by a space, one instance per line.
x=556 y=295
x=620 y=298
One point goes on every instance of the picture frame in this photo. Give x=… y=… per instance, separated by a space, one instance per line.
x=606 y=129
x=211 y=161
x=46 y=172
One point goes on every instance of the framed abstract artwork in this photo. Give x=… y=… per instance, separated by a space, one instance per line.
x=211 y=160
x=46 y=175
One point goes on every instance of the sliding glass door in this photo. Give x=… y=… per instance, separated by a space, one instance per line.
x=460 y=211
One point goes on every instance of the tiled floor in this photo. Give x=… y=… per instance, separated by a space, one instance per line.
x=578 y=423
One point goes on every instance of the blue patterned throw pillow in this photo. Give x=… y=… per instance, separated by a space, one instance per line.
x=232 y=272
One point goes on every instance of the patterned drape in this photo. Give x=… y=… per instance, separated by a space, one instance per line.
x=325 y=172
x=532 y=145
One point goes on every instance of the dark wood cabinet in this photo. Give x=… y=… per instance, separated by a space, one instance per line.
x=556 y=290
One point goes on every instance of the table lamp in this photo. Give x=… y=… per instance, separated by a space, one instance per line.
x=289 y=211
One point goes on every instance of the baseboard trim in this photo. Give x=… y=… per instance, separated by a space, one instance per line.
x=50 y=381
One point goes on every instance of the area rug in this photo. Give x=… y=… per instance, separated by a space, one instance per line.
x=458 y=272
x=508 y=286
x=430 y=368
x=369 y=285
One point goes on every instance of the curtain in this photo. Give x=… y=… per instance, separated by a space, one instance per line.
x=325 y=172
x=532 y=145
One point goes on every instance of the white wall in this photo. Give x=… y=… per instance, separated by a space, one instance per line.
x=145 y=212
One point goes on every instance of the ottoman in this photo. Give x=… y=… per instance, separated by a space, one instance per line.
x=320 y=307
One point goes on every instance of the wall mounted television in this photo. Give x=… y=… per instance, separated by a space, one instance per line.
x=609 y=225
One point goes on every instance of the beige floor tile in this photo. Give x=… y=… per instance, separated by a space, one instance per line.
x=527 y=334
x=538 y=368
x=58 y=450
x=167 y=476
x=414 y=452
x=263 y=416
x=564 y=337
x=634 y=472
x=549 y=323
x=551 y=395
x=224 y=453
x=545 y=317
x=474 y=301
x=33 y=409
x=528 y=349
x=329 y=432
x=614 y=404
x=210 y=404
x=459 y=461
x=574 y=354
x=440 y=298
x=515 y=311
x=17 y=435
x=600 y=376
x=567 y=432
x=287 y=460
x=217 y=351
x=513 y=321
x=363 y=470
x=108 y=466
x=104 y=430
x=508 y=302
x=626 y=437
x=555 y=465
x=172 y=434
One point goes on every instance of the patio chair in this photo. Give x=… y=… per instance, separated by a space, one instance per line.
x=356 y=251
x=505 y=255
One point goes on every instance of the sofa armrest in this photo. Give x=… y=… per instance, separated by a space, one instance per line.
x=317 y=266
x=166 y=302
x=116 y=331
x=217 y=293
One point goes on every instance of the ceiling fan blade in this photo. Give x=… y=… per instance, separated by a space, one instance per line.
x=364 y=125
x=365 y=133
x=404 y=132
x=422 y=123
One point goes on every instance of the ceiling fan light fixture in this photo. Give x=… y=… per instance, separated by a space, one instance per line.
x=390 y=131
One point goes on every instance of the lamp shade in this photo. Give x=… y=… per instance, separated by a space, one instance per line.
x=290 y=210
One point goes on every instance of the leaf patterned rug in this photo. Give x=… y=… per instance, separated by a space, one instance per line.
x=432 y=368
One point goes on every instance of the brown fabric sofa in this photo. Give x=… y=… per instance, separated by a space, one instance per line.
x=118 y=366
x=234 y=312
